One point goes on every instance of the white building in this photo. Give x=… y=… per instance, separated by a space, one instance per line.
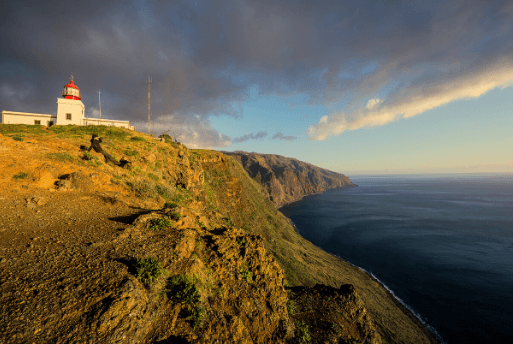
x=70 y=110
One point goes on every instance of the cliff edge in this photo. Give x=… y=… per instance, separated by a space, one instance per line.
x=179 y=246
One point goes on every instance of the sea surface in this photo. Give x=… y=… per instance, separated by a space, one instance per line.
x=443 y=244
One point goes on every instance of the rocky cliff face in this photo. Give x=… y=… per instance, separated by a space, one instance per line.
x=180 y=247
x=286 y=179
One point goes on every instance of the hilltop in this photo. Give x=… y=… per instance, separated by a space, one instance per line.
x=181 y=246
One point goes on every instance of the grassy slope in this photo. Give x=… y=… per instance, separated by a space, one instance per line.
x=228 y=189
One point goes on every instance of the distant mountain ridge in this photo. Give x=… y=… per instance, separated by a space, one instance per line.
x=287 y=179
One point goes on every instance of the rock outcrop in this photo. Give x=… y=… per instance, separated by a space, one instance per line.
x=287 y=179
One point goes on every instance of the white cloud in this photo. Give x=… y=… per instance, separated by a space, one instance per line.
x=417 y=98
x=373 y=102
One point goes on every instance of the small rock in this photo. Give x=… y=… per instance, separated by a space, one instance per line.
x=31 y=205
x=3 y=260
x=94 y=175
x=25 y=186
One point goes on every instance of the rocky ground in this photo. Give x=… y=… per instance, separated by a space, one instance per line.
x=180 y=247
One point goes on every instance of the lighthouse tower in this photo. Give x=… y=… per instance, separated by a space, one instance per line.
x=70 y=109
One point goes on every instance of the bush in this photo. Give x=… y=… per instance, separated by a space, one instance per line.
x=160 y=224
x=61 y=156
x=246 y=274
x=182 y=289
x=17 y=138
x=138 y=138
x=148 y=270
x=89 y=156
x=143 y=189
x=131 y=152
x=302 y=332
x=21 y=175
x=291 y=307
x=153 y=176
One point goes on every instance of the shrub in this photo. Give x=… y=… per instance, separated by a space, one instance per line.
x=175 y=215
x=131 y=152
x=17 y=138
x=21 y=175
x=302 y=332
x=138 y=138
x=89 y=156
x=164 y=191
x=182 y=289
x=170 y=205
x=291 y=307
x=143 y=188
x=61 y=156
x=246 y=274
x=153 y=176
x=148 y=270
x=160 y=224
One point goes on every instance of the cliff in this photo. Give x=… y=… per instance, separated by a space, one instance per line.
x=180 y=246
x=287 y=179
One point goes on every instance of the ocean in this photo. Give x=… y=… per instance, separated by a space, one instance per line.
x=443 y=244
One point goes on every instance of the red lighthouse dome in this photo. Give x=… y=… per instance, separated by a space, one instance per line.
x=71 y=91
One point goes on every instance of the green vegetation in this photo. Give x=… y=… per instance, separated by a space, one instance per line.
x=291 y=307
x=246 y=273
x=89 y=156
x=21 y=175
x=75 y=131
x=175 y=215
x=171 y=205
x=153 y=176
x=302 y=332
x=148 y=270
x=335 y=328
x=64 y=156
x=17 y=138
x=131 y=152
x=138 y=139
x=14 y=130
x=160 y=224
x=182 y=289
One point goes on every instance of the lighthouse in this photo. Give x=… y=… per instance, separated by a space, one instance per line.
x=70 y=109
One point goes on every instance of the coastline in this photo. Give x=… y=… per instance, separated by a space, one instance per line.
x=427 y=329
x=315 y=193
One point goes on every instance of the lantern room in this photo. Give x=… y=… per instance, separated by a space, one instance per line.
x=71 y=91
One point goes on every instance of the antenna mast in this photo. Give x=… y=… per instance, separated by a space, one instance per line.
x=100 y=104
x=149 y=82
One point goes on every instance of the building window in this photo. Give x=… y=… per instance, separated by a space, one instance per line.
x=36 y=122
x=68 y=116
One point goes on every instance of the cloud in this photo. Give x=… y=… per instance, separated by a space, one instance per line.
x=377 y=60
x=193 y=132
x=250 y=136
x=280 y=136
x=419 y=97
x=373 y=102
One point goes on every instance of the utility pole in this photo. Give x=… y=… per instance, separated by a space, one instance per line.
x=100 y=104
x=149 y=82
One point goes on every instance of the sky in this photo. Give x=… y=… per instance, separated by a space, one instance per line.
x=357 y=87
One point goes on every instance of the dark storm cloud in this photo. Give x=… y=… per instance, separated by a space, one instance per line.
x=250 y=136
x=197 y=53
x=280 y=136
